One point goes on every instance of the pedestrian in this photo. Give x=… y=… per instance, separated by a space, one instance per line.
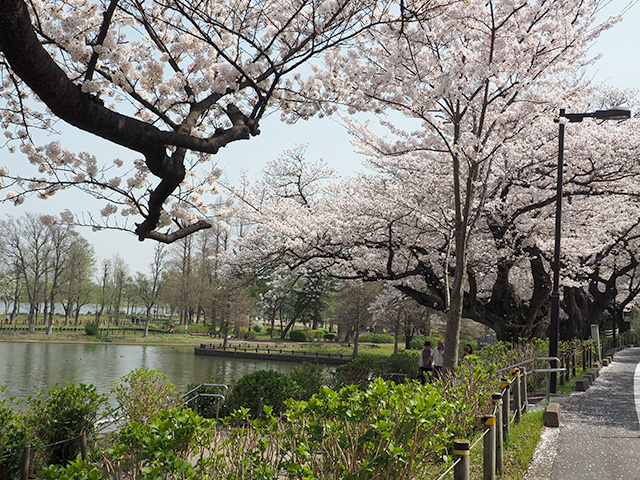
x=425 y=363
x=438 y=360
x=468 y=350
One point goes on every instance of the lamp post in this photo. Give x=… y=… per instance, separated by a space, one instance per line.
x=554 y=324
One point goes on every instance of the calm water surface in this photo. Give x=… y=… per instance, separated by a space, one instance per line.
x=30 y=368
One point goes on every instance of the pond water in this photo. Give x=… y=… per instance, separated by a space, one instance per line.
x=27 y=368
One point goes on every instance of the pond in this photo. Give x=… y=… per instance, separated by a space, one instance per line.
x=29 y=368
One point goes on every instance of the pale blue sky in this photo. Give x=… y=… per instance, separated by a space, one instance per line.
x=327 y=139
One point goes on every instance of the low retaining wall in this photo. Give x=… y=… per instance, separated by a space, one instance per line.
x=277 y=354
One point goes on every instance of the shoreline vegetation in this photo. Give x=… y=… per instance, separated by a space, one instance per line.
x=360 y=384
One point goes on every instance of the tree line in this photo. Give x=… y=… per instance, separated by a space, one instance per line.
x=49 y=266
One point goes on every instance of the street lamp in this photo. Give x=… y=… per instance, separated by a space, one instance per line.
x=554 y=324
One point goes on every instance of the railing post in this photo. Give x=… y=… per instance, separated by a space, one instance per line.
x=517 y=402
x=497 y=407
x=506 y=407
x=489 y=454
x=461 y=452
x=24 y=466
x=523 y=390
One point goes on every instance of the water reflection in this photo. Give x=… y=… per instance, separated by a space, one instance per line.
x=31 y=368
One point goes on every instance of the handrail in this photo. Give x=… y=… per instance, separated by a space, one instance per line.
x=526 y=362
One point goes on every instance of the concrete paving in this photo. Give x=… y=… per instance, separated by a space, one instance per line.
x=598 y=437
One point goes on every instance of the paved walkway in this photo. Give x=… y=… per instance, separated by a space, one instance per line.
x=598 y=437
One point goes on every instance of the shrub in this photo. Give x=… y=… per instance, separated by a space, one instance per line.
x=91 y=328
x=252 y=335
x=298 y=336
x=66 y=413
x=315 y=334
x=143 y=393
x=359 y=370
x=78 y=470
x=264 y=387
x=163 y=447
x=309 y=377
x=403 y=362
x=256 y=327
x=14 y=437
x=377 y=338
x=384 y=431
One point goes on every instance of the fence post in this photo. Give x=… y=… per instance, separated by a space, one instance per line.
x=461 y=453
x=497 y=407
x=523 y=390
x=489 y=453
x=24 y=466
x=506 y=406
x=83 y=445
x=517 y=402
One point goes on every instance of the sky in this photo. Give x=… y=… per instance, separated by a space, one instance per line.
x=326 y=139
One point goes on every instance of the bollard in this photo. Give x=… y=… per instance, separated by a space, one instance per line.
x=489 y=453
x=24 y=466
x=517 y=402
x=506 y=407
x=461 y=452
x=523 y=390
x=497 y=407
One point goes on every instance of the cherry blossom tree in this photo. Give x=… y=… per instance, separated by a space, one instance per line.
x=475 y=80
x=174 y=81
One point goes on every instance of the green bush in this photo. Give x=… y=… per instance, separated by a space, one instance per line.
x=417 y=342
x=310 y=377
x=298 y=336
x=264 y=387
x=143 y=393
x=377 y=338
x=252 y=335
x=78 y=470
x=256 y=327
x=315 y=334
x=67 y=412
x=403 y=362
x=359 y=371
x=164 y=447
x=14 y=437
x=91 y=328
x=384 y=431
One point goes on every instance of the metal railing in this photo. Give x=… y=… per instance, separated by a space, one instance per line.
x=195 y=393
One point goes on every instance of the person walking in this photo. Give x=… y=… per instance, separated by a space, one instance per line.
x=425 y=363
x=438 y=360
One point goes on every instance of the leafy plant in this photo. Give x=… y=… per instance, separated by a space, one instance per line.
x=91 y=328
x=61 y=418
x=14 y=437
x=376 y=338
x=143 y=393
x=298 y=336
x=264 y=387
x=75 y=470
x=170 y=445
x=310 y=377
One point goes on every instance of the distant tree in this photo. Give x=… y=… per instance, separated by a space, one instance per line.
x=27 y=246
x=353 y=308
x=149 y=286
x=77 y=286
